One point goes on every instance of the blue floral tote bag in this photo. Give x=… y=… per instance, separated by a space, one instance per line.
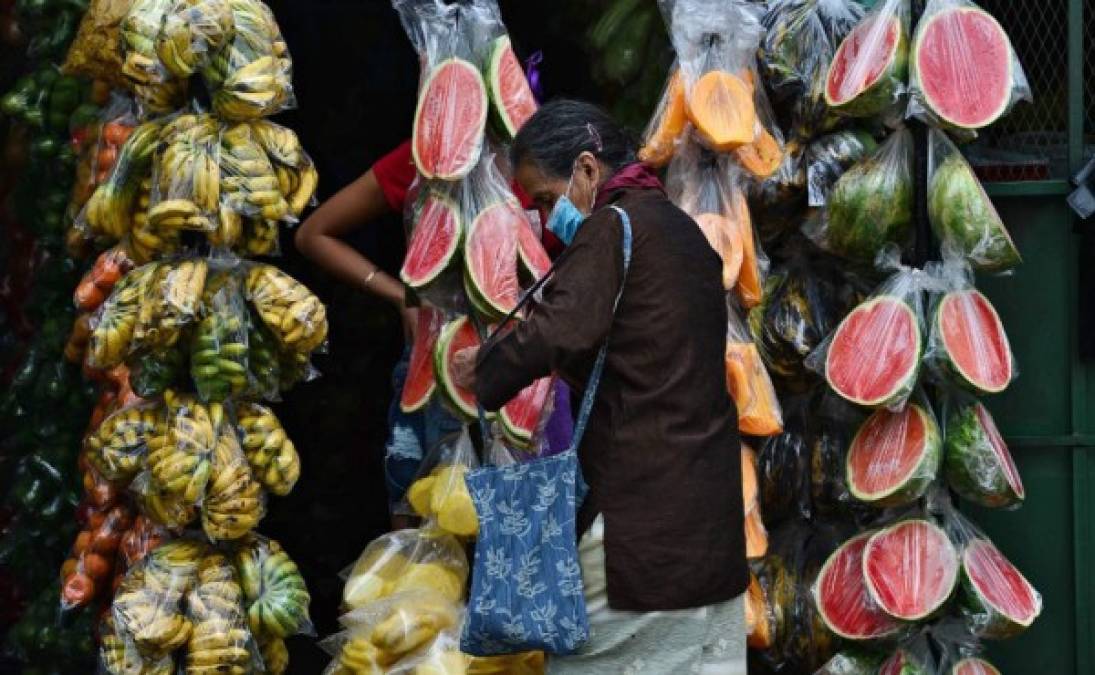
x=526 y=590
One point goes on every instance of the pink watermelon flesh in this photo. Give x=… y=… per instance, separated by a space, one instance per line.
x=963 y=63
x=521 y=416
x=534 y=259
x=861 y=60
x=449 y=121
x=974 y=340
x=894 y=665
x=465 y=336
x=510 y=89
x=974 y=666
x=421 y=381
x=1011 y=472
x=490 y=255
x=433 y=243
x=874 y=351
x=886 y=451
x=999 y=583
x=842 y=598
x=910 y=569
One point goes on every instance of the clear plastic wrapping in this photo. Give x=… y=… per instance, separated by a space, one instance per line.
x=962 y=216
x=272 y=455
x=869 y=69
x=870 y=205
x=192 y=31
x=94 y=52
x=967 y=344
x=294 y=315
x=747 y=380
x=756 y=536
x=219 y=639
x=250 y=184
x=976 y=461
x=963 y=73
x=96 y=285
x=275 y=595
x=114 y=322
x=889 y=326
x=109 y=212
x=416 y=560
x=250 y=76
x=88 y=570
x=234 y=501
x=218 y=343
x=117 y=448
x=180 y=454
x=156 y=90
x=828 y=157
x=172 y=301
x=186 y=175
x=667 y=126
x=439 y=491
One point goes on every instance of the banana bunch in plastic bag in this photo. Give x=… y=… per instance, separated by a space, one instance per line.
x=119 y=655
x=294 y=315
x=118 y=446
x=172 y=300
x=180 y=456
x=274 y=590
x=192 y=31
x=153 y=84
x=187 y=178
x=218 y=345
x=116 y=320
x=250 y=77
x=219 y=640
x=270 y=452
x=234 y=502
x=109 y=212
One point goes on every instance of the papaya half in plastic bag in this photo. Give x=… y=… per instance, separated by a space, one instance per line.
x=747 y=380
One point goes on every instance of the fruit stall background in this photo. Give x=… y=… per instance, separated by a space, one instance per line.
x=356 y=76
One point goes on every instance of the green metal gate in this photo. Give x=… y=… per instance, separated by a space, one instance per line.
x=1047 y=414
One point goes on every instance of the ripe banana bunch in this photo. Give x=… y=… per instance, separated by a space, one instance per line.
x=167 y=510
x=218 y=346
x=297 y=175
x=120 y=656
x=172 y=300
x=110 y=340
x=110 y=210
x=228 y=228
x=277 y=599
x=233 y=503
x=146 y=242
x=293 y=314
x=270 y=452
x=117 y=448
x=275 y=655
x=260 y=237
x=187 y=176
x=218 y=642
x=150 y=614
x=192 y=31
x=180 y=456
x=250 y=77
x=148 y=77
x=249 y=181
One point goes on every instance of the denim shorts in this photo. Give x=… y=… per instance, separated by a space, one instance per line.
x=410 y=436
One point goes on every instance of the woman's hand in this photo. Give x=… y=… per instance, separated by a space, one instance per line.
x=463 y=367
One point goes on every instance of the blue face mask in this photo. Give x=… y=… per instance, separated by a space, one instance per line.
x=565 y=218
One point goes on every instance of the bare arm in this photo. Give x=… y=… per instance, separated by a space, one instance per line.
x=319 y=238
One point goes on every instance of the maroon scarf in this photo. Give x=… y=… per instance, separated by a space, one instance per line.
x=633 y=176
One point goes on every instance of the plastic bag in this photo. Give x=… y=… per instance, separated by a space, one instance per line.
x=219 y=639
x=756 y=536
x=962 y=216
x=192 y=31
x=187 y=175
x=967 y=345
x=234 y=501
x=701 y=184
x=439 y=491
x=778 y=203
x=800 y=39
x=172 y=301
x=273 y=457
x=995 y=599
x=140 y=540
x=871 y=205
x=218 y=344
x=869 y=69
x=747 y=380
x=250 y=76
x=415 y=560
x=156 y=371
x=294 y=315
x=250 y=184
x=180 y=456
x=977 y=462
x=396 y=634
x=145 y=241
x=169 y=510
x=895 y=456
x=666 y=129
x=783 y=467
x=109 y=213
x=99 y=281
x=115 y=321
x=888 y=328
x=94 y=52
x=118 y=654
x=78 y=337
x=828 y=157
x=87 y=572
x=156 y=90
x=830 y=427
x=275 y=596
x=263 y=365
x=118 y=447
x=296 y=173
x=963 y=72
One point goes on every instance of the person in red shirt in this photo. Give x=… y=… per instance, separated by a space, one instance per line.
x=382 y=190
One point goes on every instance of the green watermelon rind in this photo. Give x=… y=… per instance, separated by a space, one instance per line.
x=869 y=207
x=876 y=97
x=499 y=116
x=938 y=607
x=921 y=31
x=990 y=622
x=910 y=664
x=919 y=479
x=825 y=619
x=957 y=375
x=904 y=386
x=479 y=300
x=473 y=158
x=963 y=218
x=446 y=260
x=971 y=466
x=991 y=669
x=445 y=385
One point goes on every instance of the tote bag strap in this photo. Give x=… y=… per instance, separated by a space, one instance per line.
x=599 y=365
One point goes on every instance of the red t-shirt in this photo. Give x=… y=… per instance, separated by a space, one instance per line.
x=395 y=172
